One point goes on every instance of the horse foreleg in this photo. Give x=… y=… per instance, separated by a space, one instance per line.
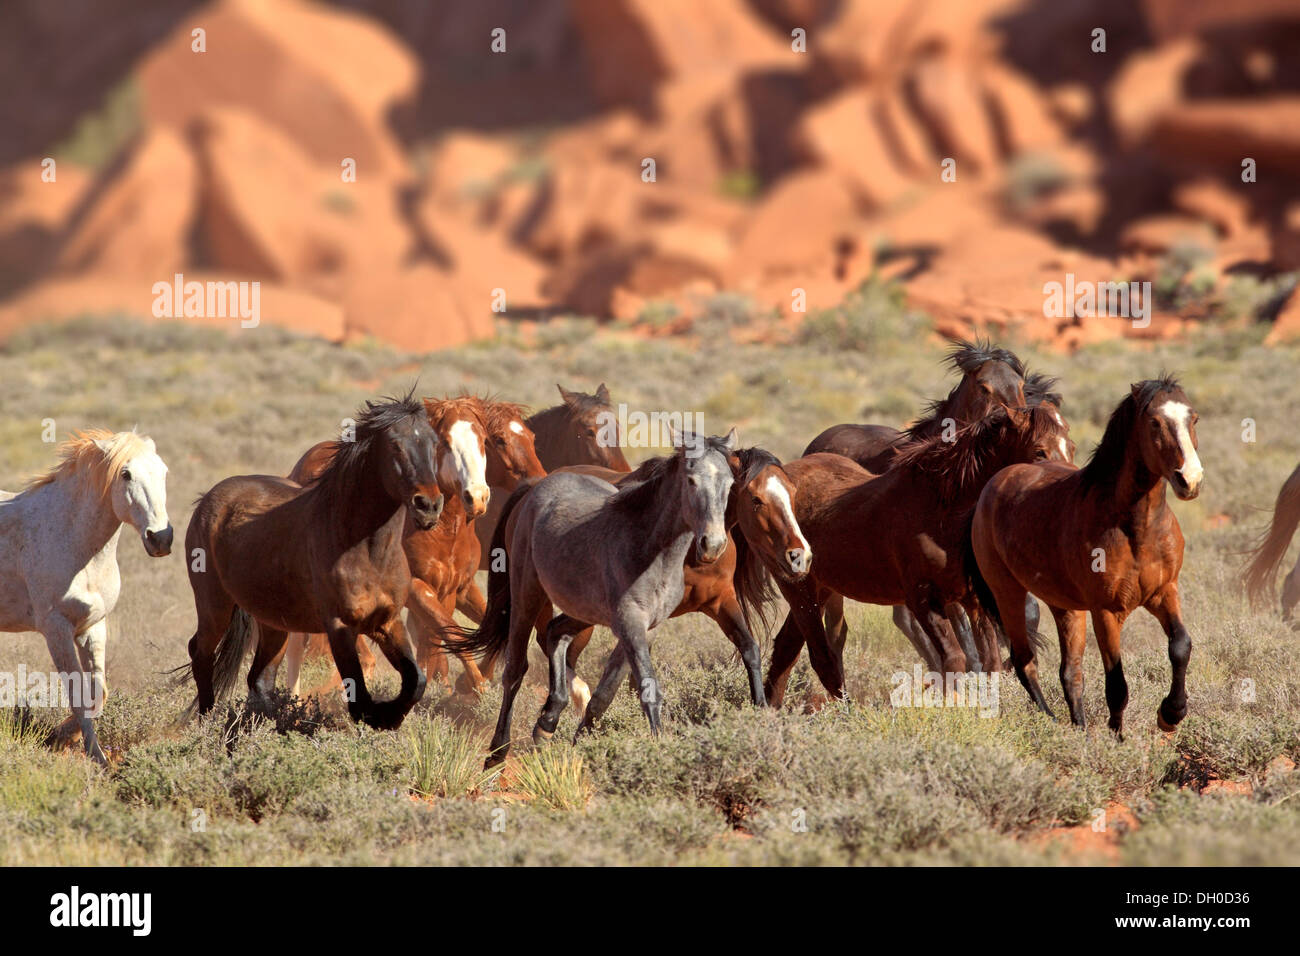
x=785 y=652
x=1108 y=625
x=294 y=653
x=731 y=619
x=632 y=634
x=617 y=669
x=1072 y=629
x=76 y=679
x=343 y=645
x=961 y=627
x=930 y=615
x=837 y=629
x=906 y=622
x=1168 y=611
x=425 y=613
x=396 y=647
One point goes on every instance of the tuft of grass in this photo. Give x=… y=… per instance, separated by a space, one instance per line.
x=555 y=777
x=445 y=760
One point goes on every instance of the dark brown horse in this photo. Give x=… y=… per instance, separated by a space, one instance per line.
x=566 y=434
x=268 y=556
x=443 y=559
x=989 y=377
x=1100 y=539
x=763 y=538
x=1261 y=573
x=896 y=538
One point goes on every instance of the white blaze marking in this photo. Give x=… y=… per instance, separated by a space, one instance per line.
x=517 y=428
x=776 y=491
x=468 y=462
x=1180 y=415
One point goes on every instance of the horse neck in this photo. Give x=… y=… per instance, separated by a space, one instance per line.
x=368 y=510
x=548 y=432
x=93 y=523
x=1138 y=493
x=663 y=526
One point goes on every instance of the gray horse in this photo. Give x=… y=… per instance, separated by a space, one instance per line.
x=603 y=555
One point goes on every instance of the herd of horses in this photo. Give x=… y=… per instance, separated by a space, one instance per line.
x=961 y=522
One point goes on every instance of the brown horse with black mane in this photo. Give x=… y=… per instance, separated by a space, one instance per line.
x=899 y=537
x=989 y=377
x=493 y=441
x=1100 y=539
x=270 y=557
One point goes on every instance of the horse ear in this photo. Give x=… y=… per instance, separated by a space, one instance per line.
x=677 y=438
x=602 y=394
x=567 y=395
x=1019 y=416
x=732 y=440
x=1135 y=389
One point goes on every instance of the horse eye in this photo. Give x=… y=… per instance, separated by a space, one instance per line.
x=126 y=474
x=757 y=501
x=1040 y=455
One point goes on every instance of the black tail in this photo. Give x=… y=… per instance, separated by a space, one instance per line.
x=231 y=651
x=490 y=638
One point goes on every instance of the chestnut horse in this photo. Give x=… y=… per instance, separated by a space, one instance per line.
x=896 y=538
x=1100 y=539
x=269 y=557
x=1261 y=572
x=732 y=591
x=989 y=377
x=565 y=434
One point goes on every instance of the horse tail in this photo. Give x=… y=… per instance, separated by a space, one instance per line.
x=754 y=588
x=489 y=638
x=1261 y=573
x=233 y=647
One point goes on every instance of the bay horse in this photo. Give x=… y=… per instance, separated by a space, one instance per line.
x=605 y=555
x=896 y=538
x=58 y=557
x=990 y=377
x=1098 y=539
x=1261 y=572
x=763 y=538
x=1039 y=390
x=270 y=556
x=564 y=434
x=443 y=559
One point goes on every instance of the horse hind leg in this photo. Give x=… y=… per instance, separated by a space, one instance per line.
x=266 y=661
x=906 y=622
x=1072 y=629
x=1291 y=592
x=558 y=637
x=527 y=600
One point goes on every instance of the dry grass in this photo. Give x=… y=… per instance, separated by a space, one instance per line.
x=860 y=783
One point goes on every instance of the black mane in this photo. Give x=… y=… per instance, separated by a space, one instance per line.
x=965 y=356
x=345 y=473
x=1108 y=457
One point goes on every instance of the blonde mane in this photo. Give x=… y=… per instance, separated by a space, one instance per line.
x=80 y=453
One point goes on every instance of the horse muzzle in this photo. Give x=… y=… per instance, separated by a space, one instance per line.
x=426 y=511
x=799 y=561
x=158 y=544
x=708 y=548
x=476 y=500
x=1184 y=489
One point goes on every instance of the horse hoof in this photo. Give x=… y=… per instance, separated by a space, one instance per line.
x=541 y=736
x=1165 y=726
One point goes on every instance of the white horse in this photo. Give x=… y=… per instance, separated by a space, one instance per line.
x=58 y=555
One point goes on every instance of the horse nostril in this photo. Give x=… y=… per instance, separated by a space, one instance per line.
x=421 y=503
x=469 y=500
